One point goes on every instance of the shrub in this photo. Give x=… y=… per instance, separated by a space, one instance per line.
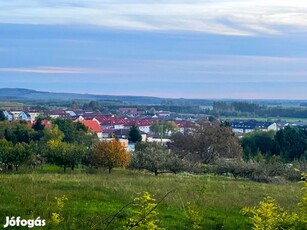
x=268 y=215
x=145 y=216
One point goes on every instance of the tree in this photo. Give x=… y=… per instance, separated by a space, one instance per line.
x=64 y=154
x=92 y=106
x=74 y=105
x=206 y=143
x=39 y=129
x=13 y=155
x=38 y=153
x=6 y=148
x=163 y=129
x=18 y=132
x=76 y=132
x=52 y=133
x=3 y=126
x=38 y=126
x=20 y=154
x=157 y=159
x=259 y=141
x=2 y=116
x=134 y=134
x=109 y=154
x=292 y=142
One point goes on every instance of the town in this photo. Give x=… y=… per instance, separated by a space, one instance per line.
x=118 y=125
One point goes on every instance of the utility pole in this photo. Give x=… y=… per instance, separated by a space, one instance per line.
x=162 y=129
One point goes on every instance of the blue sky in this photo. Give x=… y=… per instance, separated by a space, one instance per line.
x=166 y=48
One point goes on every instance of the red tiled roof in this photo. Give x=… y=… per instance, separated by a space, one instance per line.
x=144 y=122
x=109 y=120
x=92 y=125
x=44 y=122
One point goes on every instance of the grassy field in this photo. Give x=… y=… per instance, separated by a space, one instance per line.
x=11 y=105
x=288 y=119
x=92 y=197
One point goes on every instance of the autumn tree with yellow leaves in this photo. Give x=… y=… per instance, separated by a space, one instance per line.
x=109 y=154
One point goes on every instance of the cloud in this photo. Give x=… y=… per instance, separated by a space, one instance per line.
x=214 y=68
x=227 y=17
x=48 y=70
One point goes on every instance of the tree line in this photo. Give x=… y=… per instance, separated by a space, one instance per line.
x=222 y=108
x=289 y=144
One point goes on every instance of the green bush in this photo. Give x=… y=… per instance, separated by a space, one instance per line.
x=268 y=215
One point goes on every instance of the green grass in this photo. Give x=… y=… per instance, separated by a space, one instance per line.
x=94 y=197
x=11 y=105
x=289 y=119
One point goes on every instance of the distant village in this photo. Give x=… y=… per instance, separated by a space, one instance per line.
x=117 y=126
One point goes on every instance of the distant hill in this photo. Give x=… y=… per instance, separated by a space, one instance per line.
x=29 y=95
x=24 y=95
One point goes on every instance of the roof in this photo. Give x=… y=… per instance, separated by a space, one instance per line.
x=251 y=124
x=109 y=120
x=92 y=125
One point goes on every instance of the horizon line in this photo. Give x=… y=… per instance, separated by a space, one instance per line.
x=158 y=97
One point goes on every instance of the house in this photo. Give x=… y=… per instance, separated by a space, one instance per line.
x=282 y=124
x=24 y=116
x=33 y=115
x=8 y=115
x=71 y=113
x=163 y=141
x=164 y=114
x=111 y=121
x=144 y=124
x=94 y=127
x=58 y=114
x=107 y=133
x=183 y=125
x=15 y=114
x=299 y=124
x=240 y=126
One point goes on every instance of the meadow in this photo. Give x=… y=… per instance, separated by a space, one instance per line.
x=288 y=119
x=94 y=196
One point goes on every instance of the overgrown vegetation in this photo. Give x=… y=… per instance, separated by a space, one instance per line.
x=270 y=215
x=93 y=199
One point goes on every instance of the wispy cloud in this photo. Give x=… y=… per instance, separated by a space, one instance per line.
x=53 y=70
x=230 y=17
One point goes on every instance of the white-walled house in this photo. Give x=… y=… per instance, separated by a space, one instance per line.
x=252 y=125
x=8 y=115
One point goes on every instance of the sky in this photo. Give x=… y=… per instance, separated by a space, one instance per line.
x=234 y=49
